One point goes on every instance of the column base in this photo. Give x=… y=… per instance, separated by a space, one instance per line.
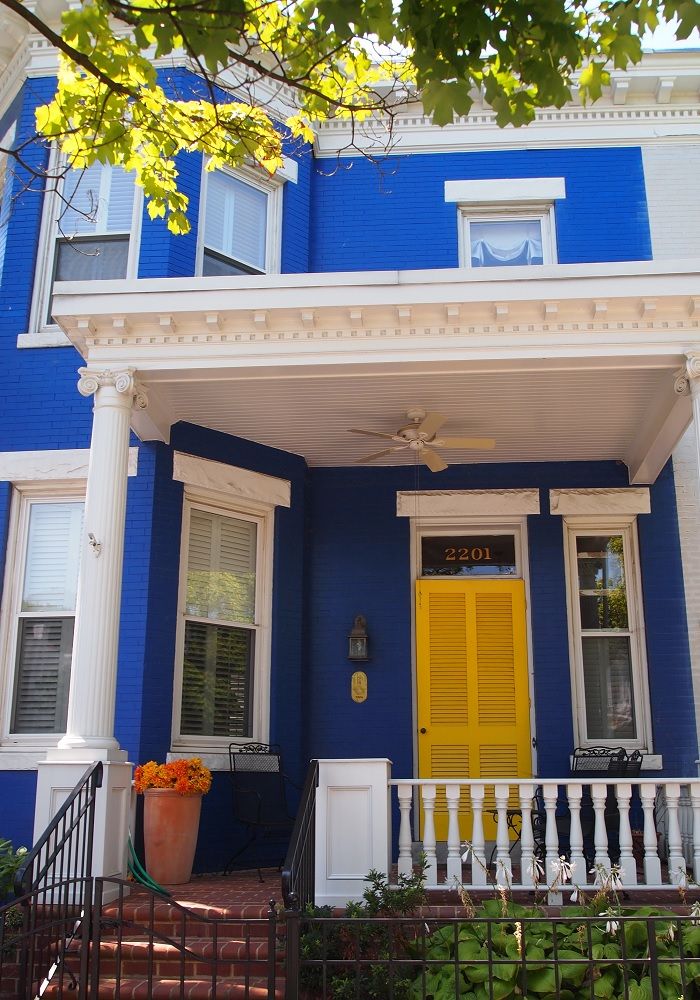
x=114 y=806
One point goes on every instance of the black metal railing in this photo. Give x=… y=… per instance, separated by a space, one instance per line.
x=568 y=958
x=53 y=890
x=298 y=873
x=151 y=938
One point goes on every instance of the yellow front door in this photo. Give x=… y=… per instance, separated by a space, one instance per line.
x=473 y=700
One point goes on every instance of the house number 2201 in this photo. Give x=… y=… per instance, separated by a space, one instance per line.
x=477 y=554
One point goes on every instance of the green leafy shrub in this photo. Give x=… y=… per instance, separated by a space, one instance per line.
x=10 y=862
x=344 y=943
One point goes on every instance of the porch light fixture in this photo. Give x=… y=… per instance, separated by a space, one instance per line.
x=358 y=642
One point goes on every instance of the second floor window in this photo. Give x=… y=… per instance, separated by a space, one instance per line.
x=237 y=218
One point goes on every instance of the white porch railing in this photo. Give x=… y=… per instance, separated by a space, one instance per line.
x=527 y=817
x=546 y=812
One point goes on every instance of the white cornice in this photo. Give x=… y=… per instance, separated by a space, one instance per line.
x=635 y=306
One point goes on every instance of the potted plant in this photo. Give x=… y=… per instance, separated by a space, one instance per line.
x=172 y=803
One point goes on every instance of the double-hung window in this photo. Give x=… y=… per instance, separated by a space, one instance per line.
x=607 y=635
x=92 y=232
x=223 y=634
x=40 y=597
x=6 y=191
x=240 y=229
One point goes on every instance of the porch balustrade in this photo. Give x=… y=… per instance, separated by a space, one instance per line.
x=542 y=819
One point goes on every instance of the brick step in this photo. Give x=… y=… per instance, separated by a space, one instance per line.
x=234 y=957
x=135 y=988
x=233 y=920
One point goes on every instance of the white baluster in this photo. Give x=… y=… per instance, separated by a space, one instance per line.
x=478 y=855
x=574 y=793
x=676 y=861
x=504 y=872
x=405 y=865
x=527 y=840
x=550 y=793
x=599 y=793
x=428 y=793
x=628 y=866
x=454 y=854
x=652 y=864
x=694 y=789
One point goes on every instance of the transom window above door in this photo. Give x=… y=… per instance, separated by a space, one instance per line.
x=469 y=555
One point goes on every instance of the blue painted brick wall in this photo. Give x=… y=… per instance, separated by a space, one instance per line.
x=360 y=565
x=394 y=215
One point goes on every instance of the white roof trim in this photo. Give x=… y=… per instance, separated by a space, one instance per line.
x=600 y=501
x=232 y=480
x=466 y=503
x=488 y=192
x=71 y=463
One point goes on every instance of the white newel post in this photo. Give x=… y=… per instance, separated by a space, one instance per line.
x=91 y=703
x=353 y=827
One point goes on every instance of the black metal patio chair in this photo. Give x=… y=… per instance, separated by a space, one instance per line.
x=259 y=800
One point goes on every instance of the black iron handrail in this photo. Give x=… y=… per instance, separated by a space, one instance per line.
x=54 y=886
x=298 y=873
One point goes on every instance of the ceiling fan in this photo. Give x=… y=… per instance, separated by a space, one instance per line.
x=421 y=436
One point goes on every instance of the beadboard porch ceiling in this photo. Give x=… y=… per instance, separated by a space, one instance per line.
x=581 y=362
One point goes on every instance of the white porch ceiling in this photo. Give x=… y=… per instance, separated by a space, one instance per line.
x=533 y=415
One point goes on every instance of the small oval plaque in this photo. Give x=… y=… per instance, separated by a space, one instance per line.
x=358 y=686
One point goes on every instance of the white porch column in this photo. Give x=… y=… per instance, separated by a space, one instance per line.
x=690 y=378
x=91 y=703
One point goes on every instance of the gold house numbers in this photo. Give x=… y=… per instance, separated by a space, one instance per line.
x=468 y=555
x=358 y=686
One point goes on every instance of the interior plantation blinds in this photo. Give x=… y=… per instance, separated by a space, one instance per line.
x=220 y=603
x=46 y=617
x=236 y=220
x=100 y=199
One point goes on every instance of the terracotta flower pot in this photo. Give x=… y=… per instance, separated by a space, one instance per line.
x=170 y=826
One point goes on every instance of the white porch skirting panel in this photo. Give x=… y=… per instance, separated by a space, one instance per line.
x=634 y=500
x=467 y=503
x=231 y=480
x=353 y=827
x=70 y=463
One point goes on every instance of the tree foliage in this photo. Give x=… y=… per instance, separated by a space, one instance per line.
x=314 y=60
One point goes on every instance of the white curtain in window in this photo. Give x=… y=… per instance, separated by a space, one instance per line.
x=235 y=220
x=498 y=244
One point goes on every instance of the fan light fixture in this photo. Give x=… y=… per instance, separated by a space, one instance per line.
x=421 y=436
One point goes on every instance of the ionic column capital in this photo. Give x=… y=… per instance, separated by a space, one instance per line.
x=122 y=380
x=687 y=379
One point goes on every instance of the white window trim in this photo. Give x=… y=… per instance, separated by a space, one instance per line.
x=627 y=527
x=273 y=188
x=41 y=333
x=467 y=503
x=19 y=751
x=263 y=516
x=515 y=212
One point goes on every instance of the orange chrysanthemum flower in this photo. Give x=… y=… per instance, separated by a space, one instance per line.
x=187 y=777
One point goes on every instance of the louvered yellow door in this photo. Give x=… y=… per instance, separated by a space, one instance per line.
x=473 y=700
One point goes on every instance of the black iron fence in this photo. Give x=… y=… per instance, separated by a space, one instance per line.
x=639 y=957
x=54 y=892
x=298 y=873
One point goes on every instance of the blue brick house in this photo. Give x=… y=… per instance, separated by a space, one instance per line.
x=509 y=319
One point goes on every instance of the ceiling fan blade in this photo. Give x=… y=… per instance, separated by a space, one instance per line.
x=460 y=442
x=431 y=458
x=371 y=458
x=431 y=424
x=376 y=434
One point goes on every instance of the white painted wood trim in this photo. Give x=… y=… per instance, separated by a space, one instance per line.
x=600 y=501
x=517 y=189
x=231 y=480
x=48 y=337
x=68 y=464
x=467 y=503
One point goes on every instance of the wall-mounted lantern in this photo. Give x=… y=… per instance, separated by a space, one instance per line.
x=358 y=642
